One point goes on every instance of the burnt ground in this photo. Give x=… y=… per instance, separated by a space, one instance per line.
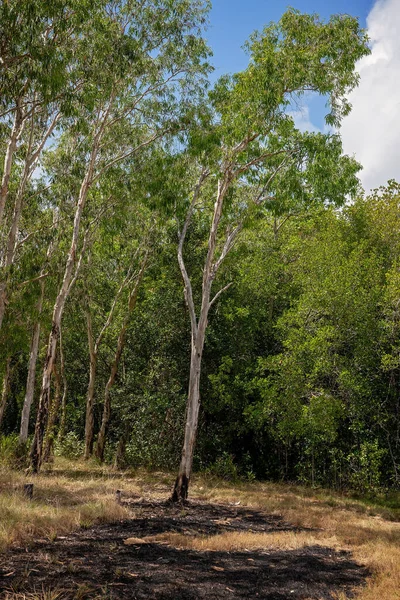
x=96 y=563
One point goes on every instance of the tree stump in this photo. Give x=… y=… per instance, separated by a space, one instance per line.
x=28 y=490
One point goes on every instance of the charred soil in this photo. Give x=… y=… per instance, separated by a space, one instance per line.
x=125 y=560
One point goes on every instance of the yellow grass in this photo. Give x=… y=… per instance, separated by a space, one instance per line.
x=76 y=494
x=67 y=497
x=338 y=522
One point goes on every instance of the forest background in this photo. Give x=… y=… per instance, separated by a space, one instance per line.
x=112 y=141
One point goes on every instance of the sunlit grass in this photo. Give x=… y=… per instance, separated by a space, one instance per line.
x=78 y=494
x=366 y=528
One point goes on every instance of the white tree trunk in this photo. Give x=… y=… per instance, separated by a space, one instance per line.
x=8 y=160
x=30 y=382
x=180 y=491
x=31 y=159
x=41 y=420
x=181 y=487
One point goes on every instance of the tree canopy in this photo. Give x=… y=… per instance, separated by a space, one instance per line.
x=164 y=240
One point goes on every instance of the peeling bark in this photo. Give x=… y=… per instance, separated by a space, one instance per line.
x=53 y=415
x=5 y=389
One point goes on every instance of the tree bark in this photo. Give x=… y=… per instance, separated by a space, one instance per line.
x=63 y=417
x=51 y=428
x=181 y=487
x=101 y=439
x=120 y=453
x=198 y=329
x=5 y=389
x=94 y=347
x=42 y=414
x=8 y=160
x=89 y=420
x=31 y=159
x=30 y=382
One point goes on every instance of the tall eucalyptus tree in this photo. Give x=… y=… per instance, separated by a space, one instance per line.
x=254 y=158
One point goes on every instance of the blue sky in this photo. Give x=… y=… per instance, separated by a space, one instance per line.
x=372 y=131
x=232 y=22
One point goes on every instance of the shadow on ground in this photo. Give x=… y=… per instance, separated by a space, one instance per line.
x=95 y=563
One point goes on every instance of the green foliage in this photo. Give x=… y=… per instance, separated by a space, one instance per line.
x=13 y=453
x=300 y=377
x=71 y=446
x=224 y=468
x=366 y=467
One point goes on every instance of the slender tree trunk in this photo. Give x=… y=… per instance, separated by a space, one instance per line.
x=30 y=382
x=93 y=354
x=11 y=244
x=42 y=414
x=198 y=328
x=101 y=439
x=5 y=389
x=55 y=407
x=8 y=160
x=120 y=453
x=89 y=421
x=63 y=417
x=181 y=487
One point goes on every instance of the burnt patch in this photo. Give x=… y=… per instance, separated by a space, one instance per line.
x=96 y=563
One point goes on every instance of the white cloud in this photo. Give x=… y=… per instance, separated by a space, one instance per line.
x=372 y=131
x=301 y=118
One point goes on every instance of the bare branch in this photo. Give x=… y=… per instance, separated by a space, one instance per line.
x=86 y=240
x=38 y=278
x=221 y=291
x=123 y=285
x=45 y=137
x=244 y=143
x=257 y=160
x=230 y=240
x=182 y=235
x=261 y=196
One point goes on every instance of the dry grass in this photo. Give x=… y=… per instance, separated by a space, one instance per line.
x=238 y=540
x=67 y=497
x=371 y=532
x=78 y=494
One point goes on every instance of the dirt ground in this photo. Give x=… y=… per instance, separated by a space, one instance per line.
x=105 y=562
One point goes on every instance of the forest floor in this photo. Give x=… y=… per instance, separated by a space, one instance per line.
x=73 y=541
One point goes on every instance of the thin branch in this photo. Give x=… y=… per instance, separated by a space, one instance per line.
x=123 y=285
x=182 y=235
x=261 y=196
x=38 y=278
x=230 y=240
x=85 y=244
x=256 y=161
x=127 y=154
x=244 y=143
x=221 y=291
x=45 y=137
